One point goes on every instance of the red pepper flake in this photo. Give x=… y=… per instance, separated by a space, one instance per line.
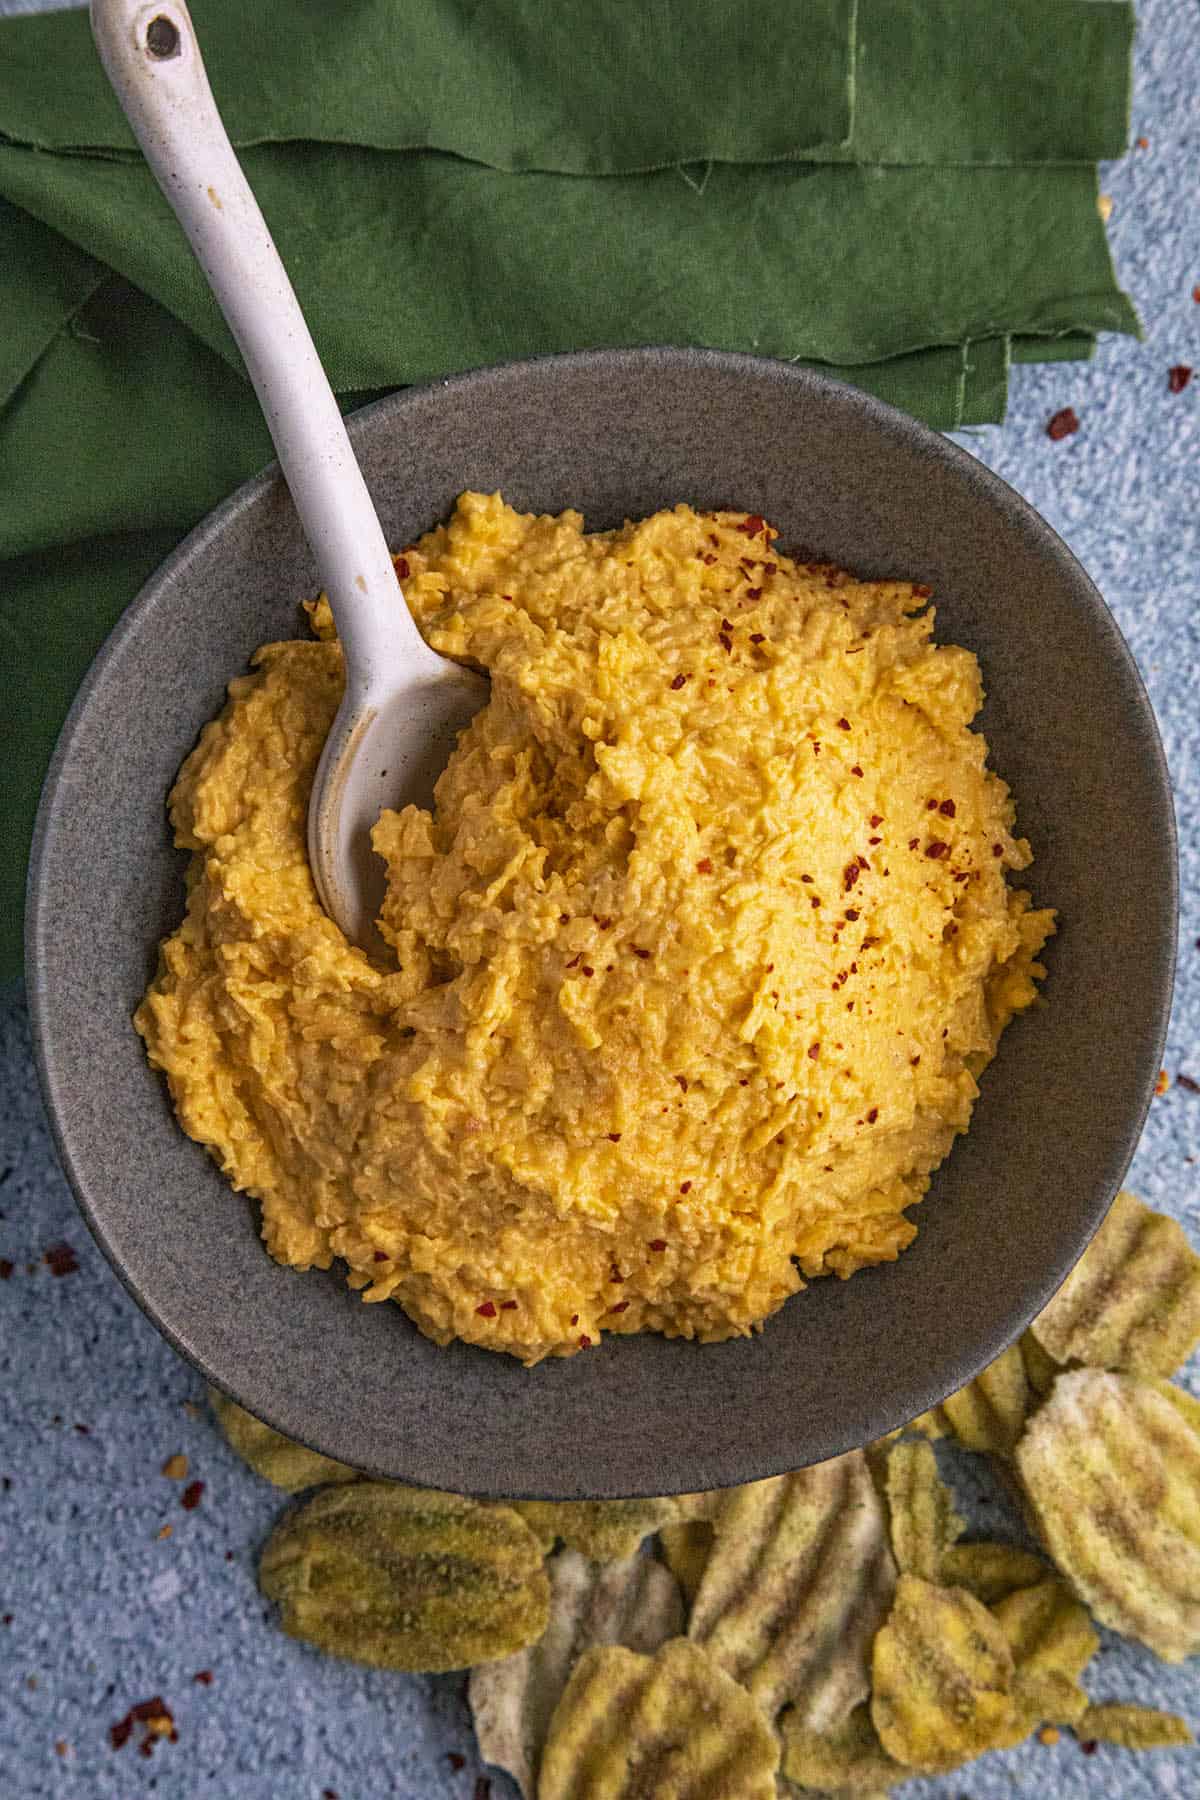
x=1196 y=293
x=638 y=951
x=483 y=1788
x=190 y=1497
x=872 y=1115
x=1143 y=143
x=1188 y=1082
x=725 y=641
x=931 y=806
x=604 y=924
x=204 y=1677
x=574 y=1318
x=614 y=1137
x=508 y=1306
x=752 y=524
x=487 y=1310
x=808 y=878
x=683 y=1082
x=585 y=1342
x=6 y=1268
x=587 y=970
x=678 y=682
x=921 y=591
x=814 y=1051
x=1089 y=1745
x=937 y=849
x=456 y=1761
x=754 y=593
x=119 y=1734
x=855 y=770
x=685 y=1187
x=997 y=849
x=380 y=1256
x=60 y=1259
x=658 y=1245
x=1062 y=423
x=704 y=866
x=400 y=564
x=875 y=821
x=947 y=809
x=851 y=914
x=758 y=637
x=874 y=840
x=863 y=863
x=616 y=1274
x=575 y=960
x=1178 y=377
x=329 y=1794
x=621 y=1306
x=814 y=902
x=843 y=724
x=850 y=875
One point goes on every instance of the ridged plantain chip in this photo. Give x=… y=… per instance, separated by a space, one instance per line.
x=1041 y=1370
x=848 y=1759
x=1111 y=1468
x=924 y=1523
x=605 y=1530
x=989 y=1414
x=1052 y=1641
x=943 y=1679
x=685 y=1549
x=671 y=1727
x=990 y=1571
x=798 y=1578
x=636 y=1603
x=1132 y=1301
x=404 y=1578
x=1133 y=1727
x=276 y=1458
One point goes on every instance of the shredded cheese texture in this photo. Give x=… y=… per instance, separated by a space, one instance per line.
x=697 y=960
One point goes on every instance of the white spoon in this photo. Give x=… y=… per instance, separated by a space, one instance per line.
x=404 y=704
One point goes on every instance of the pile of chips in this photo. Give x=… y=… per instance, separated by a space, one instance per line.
x=827 y=1632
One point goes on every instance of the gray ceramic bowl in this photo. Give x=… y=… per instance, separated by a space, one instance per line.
x=620 y=434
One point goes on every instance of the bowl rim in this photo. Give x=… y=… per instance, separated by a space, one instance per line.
x=998 y=492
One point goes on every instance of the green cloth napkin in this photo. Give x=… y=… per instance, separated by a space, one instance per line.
x=902 y=192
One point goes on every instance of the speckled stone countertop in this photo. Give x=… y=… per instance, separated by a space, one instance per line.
x=101 y=1610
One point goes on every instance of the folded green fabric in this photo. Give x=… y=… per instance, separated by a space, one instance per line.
x=900 y=192
x=583 y=87
x=455 y=264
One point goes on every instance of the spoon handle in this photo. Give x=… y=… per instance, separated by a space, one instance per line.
x=152 y=58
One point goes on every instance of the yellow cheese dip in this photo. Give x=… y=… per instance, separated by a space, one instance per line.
x=696 y=963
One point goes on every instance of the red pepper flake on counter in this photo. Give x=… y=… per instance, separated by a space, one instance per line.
x=483 y=1788
x=154 y=1715
x=60 y=1259
x=6 y=1268
x=487 y=1310
x=204 y=1677
x=1188 y=1082
x=456 y=1761
x=1178 y=377
x=1062 y=424
x=191 y=1495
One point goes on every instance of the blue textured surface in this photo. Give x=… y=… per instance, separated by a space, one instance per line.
x=100 y=1613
